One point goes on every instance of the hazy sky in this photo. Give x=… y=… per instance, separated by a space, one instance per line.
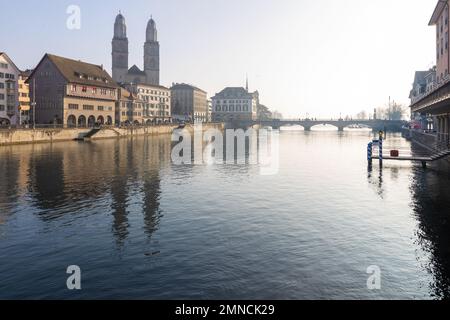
x=321 y=57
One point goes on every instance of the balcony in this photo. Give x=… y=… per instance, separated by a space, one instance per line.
x=432 y=88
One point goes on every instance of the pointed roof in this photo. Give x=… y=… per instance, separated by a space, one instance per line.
x=234 y=93
x=440 y=6
x=76 y=71
x=9 y=60
x=135 y=70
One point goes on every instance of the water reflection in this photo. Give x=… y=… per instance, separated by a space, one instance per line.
x=62 y=178
x=431 y=203
x=223 y=231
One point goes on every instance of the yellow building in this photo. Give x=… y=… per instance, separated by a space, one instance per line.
x=24 y=97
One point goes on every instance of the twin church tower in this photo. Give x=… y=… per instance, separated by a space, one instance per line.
x=120 y=71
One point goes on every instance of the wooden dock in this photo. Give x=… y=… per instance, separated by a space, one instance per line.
x=423 y=160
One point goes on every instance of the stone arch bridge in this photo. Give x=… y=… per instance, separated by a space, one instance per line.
x=377 y=125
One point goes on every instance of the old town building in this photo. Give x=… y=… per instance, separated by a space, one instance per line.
x=189 y=103
x=72 y=93
x=235 y=104
x=156 y=102
x=9 y=91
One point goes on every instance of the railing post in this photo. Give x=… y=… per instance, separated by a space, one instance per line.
x=369 y=152
x=380 y=146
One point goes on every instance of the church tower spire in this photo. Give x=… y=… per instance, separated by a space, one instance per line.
x=120 y=50
x=151 y=53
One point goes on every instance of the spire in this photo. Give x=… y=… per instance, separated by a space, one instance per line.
x=246 y=83
x=120 y=27
x=152 y=33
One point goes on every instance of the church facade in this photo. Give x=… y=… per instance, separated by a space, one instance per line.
x=121 y=73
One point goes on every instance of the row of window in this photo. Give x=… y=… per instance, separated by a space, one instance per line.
x=10 y=108
x=232 y=101
x=148 y=91
x=93 y=90
x=232 y=109
x=440 y=48
x=7 y=76
x=4 y=65
x=444 y=20
x=129 y=114
x=152 y=98
x=89 y=107
x=91 y=78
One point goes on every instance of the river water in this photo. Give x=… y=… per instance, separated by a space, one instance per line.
x=140 y=226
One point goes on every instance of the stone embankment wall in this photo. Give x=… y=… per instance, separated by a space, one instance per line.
x=26 y=136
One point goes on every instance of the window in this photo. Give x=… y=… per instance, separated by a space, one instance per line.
x=446 y=40
x=73 y=87
x=2 y=107
x=88 y=107
x=4 y=65
x=2 y=75
x=94 y=90
x=100 y=108
x=2 y=85
x=73 y=106
x=2 y=96
x=84 y=89
x=103 y=91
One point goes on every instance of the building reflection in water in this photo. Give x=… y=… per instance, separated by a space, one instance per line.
x=431 y=204
x=66 y=179
x=10 y=166
x=375 y=178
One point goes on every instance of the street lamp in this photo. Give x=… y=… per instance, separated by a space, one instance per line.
x=33 y=104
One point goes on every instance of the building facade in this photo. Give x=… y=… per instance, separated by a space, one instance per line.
x=9 y=91
x=156 y=102
x=189 y=103
x=72 y=93
x=235 y=104
x=129 y=109
x=24 y=97
x=120 y=55
x=440 y=19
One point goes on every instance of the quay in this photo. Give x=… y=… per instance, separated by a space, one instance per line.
x=50 y=135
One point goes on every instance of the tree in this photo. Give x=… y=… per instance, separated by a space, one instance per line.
x=362 y=115
x=396 y=112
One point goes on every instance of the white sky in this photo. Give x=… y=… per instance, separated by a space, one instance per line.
x=322 y=57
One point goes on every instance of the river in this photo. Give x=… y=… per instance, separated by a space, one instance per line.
x=140 y=226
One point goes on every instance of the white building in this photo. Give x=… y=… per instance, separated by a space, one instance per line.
x=9 y=92
x=156 y=100
x=234 y=104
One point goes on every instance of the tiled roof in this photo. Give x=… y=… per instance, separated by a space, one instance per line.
x=79 y=72
x=181 y=86
x=234 y=92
